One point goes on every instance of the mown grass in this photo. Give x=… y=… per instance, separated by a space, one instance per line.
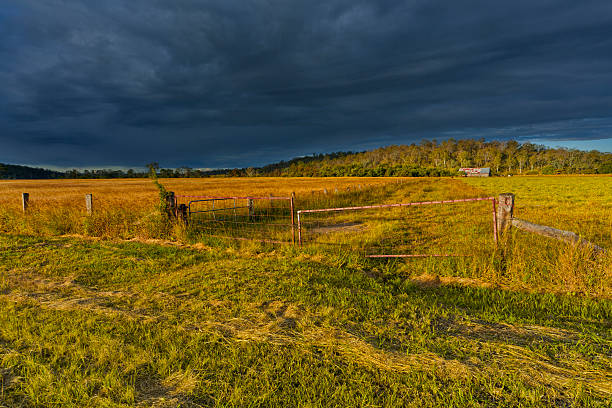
x=199 y=321
x=113 y=323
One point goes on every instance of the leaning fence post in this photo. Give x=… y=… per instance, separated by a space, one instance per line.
x=505 y=211
x=25 y=198
x=89 y=203
x=293 y=218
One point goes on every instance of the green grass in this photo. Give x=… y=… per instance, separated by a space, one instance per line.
x=92 y=322
x=582 y=204
x=123 y=323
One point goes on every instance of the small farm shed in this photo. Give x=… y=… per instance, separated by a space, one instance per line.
x=476 y=171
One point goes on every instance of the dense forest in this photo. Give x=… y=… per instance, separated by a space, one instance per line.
x=428 y=158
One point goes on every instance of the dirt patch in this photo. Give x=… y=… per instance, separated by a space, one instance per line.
x=341 y=227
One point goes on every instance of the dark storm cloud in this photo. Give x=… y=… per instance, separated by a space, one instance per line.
x=232 y=83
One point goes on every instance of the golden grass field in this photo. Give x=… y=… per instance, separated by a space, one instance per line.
x=138 y=193
x=125 y=208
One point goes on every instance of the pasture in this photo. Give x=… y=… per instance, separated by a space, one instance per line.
x=118 y=309
x=127 y=208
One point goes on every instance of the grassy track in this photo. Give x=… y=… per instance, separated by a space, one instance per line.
x=92 y=322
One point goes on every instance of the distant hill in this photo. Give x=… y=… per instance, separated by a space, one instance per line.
x=430 y=158
x=11 y=171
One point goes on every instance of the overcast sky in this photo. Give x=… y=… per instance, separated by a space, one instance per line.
x=223 y=83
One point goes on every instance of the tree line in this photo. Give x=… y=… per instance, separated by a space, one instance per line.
x=10 y=171
x=432 y=158
x=427 y=158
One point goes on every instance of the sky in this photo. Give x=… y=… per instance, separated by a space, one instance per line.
x=236 y=83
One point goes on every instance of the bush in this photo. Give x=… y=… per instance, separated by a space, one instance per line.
x=605 y=168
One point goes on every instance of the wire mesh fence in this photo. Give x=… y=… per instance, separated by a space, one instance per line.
x=266 y=219
x=433 y=228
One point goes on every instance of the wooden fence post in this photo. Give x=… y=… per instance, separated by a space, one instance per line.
x=505 y=211
x=25 y=198
x=251 y=208
x=89 y=203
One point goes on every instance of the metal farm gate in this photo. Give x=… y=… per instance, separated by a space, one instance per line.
x=265 y=219
x=418 y=229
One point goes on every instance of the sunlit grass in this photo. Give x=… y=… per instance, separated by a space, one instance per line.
x=97 y=323
x=127 y=208
x=582 y=204
x=193 y=320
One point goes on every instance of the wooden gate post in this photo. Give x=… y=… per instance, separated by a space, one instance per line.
x=89 y=203
x=299 y=221
x=293 y=218
x=25 y=201
x=505 y=211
